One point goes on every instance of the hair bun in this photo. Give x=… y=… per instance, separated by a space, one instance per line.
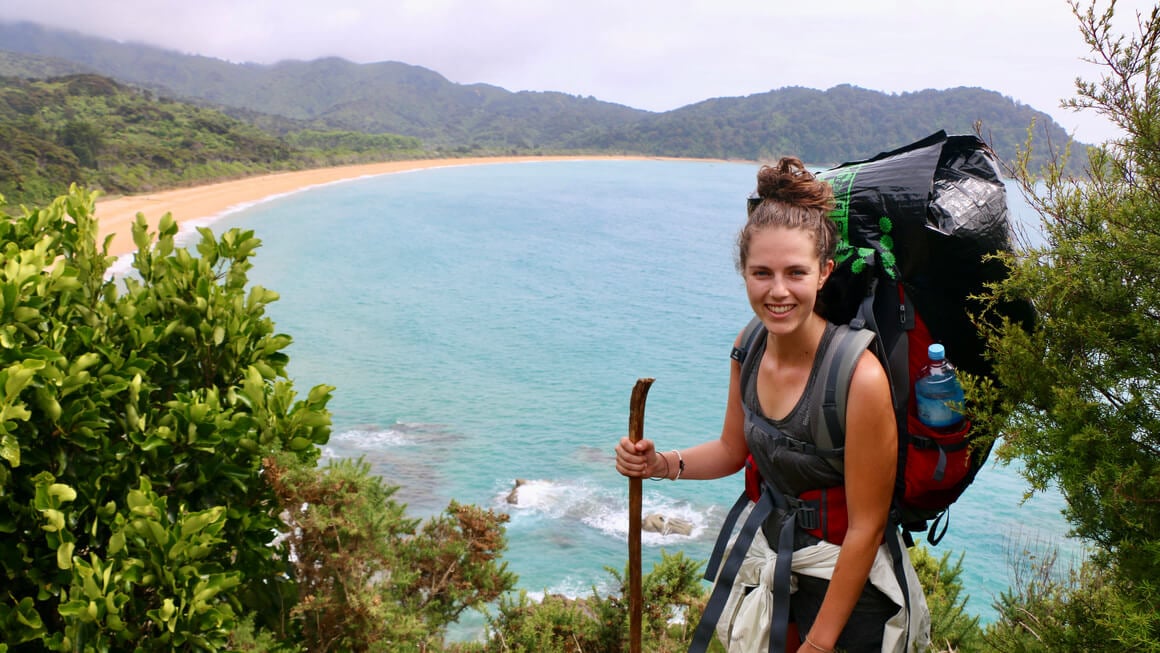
x=790 y=196
x=790 y=182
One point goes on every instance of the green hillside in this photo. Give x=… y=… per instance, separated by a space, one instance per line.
x=95 y=132
x=15 y=64
x=292 y=113
x=378 y=97
x=828 y=127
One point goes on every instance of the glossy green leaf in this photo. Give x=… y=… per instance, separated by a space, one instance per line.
x=116 y=543
x=62 y=492
x=54 y=520
x=10 y=449
x=64 y=555
x=74 y=609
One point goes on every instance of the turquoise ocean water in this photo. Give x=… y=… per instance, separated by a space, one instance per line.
x=487 y=323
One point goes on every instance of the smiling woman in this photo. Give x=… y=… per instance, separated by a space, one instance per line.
x=486 y=323
x=785 y=253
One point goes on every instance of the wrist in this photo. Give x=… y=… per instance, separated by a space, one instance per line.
x=814 y=647
x=655 y=476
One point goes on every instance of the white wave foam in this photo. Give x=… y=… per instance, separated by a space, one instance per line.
x=576 y=588
x=598 y=508
x=614 y=521
x=539 y=496
x=372 y=437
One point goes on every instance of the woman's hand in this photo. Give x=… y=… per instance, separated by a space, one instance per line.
x=638 y=459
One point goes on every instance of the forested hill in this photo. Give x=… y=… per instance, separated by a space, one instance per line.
x=828 y=127
x=823 y=127
x=98 y=133
x=378 y=97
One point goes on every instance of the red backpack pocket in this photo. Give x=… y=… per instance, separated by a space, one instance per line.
x=937 y=462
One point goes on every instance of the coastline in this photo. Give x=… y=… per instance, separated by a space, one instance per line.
x=200 y=203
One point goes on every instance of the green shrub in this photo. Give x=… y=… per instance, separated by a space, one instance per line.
x=134 y=419
x=1080 y=405
x=370 y=578
x=952 y=628
x=671 y=592
x=152 y=450
x=1048 y=609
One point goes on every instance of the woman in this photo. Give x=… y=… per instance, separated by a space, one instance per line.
x=785 y=254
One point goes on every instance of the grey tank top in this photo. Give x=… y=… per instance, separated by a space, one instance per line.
x=776 y=451
x=794 y=472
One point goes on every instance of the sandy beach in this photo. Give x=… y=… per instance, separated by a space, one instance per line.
x=117 y=214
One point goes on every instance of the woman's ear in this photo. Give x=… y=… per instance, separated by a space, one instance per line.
x=827 y=268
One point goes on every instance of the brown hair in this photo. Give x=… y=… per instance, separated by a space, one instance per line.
x=788 y=195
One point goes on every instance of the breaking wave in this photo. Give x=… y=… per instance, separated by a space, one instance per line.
x=602 y=509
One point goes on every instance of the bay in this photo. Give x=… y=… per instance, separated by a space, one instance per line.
x=484 y=324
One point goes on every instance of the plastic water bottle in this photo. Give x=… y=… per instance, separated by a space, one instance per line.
x=938 y=392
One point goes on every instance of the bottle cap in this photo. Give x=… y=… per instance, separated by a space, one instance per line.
x=936 y=352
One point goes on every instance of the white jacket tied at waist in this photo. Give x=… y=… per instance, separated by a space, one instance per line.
x=745 y=621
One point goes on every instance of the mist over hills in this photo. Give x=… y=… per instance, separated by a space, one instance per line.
x=821 y=126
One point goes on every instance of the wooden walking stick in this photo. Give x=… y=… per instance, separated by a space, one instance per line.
x=635 y=595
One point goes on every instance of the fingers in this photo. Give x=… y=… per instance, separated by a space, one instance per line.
x=634 y=459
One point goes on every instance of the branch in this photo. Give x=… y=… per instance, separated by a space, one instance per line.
x=1112 y=399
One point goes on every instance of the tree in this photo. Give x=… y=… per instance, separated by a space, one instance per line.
x=157 y=467
x=84 y=140
x=673 y=596
x=369 y=577
x=133 y=423
x=1082 y=410
x=951 y=628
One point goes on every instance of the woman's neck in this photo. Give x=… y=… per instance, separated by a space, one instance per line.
x=798 y=346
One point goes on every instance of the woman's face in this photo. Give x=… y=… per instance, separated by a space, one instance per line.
x=783 y=276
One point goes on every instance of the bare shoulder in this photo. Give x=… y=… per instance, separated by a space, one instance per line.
x=870 y=381
x=871 y=436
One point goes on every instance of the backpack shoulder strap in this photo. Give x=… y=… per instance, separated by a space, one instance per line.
x=748 y=339
x=837 y=368
x=745 y=346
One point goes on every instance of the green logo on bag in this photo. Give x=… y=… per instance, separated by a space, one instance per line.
x=843 y=183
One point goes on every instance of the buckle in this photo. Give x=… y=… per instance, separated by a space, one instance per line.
x=800 y=446
x=805 y=512
x=809 y=518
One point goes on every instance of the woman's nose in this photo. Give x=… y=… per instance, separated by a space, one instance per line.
x=777 y=286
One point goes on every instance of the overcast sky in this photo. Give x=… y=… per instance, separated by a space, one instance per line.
x=649 y=54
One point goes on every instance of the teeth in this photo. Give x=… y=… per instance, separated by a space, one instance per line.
x=780 y=310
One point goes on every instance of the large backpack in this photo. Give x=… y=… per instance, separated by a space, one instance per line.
x=919 y=230
x=918 y=227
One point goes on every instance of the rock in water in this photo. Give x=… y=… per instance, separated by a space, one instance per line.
x=658 y=523
x=513 y=497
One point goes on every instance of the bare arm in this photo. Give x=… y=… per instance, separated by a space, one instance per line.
x=708 y=460
x=871 y=464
